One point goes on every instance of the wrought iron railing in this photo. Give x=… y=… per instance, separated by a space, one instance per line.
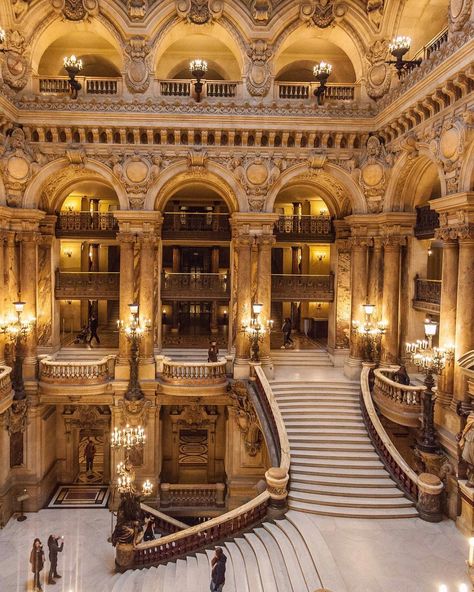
x=191 y=224
x=86 y=223
x=83 y=284
x=308 y=228
x=292 y=287
x=400 y=403
x=427 y=295
x=427 y=220
x=192 y=286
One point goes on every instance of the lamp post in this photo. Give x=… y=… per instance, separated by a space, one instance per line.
x=134 y=332
x=198 y=69
x=255 y=331
x=17 y=329
x=321 y=72
x=73 y=66
x=431 y=361
x=398 y=48
x=371 y=333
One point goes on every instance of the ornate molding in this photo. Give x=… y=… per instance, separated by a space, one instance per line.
x=76 y=10
x=137 y=64
x=379 y=75
x=259 y=68
x=246 y=418
x=322 y=13
x=16 y=417
x=200 y=12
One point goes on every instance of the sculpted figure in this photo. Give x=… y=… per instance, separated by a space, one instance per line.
x=466 y=443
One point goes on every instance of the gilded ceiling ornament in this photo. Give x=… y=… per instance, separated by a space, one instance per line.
x=200 y=12
x=76 y=10
x=459 y=14
x=322 y=13
x=261 y=11
x=137 y=9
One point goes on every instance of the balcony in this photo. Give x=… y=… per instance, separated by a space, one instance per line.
x=427 y=295
x=313 y=288
x=195 y=286
x=427 y=220
x=398 y=402
x=86 y=224
x=315 y=229
x=305 y=90
x=196 y=225
x=91 y=85
x=188 y=495
x=221 y=89
x=83 y=285
x=83 y=372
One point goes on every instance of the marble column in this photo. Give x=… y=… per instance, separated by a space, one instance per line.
x=28 y=283
x=390 y=298
x=126 y=241
x=464 y=312
x=46 y=292
x=95 y=257
x=405 y=301
x=359 y=292
x=242 y=244
x=84 y=267
x=374 y=289
x=214 y=269
x=264 y=292
x=447 y=316
x=146 y=311
x=3 y=297
x=11 y=268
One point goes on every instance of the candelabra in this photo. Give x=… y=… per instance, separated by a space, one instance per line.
x=17 y=329
x=431 y=361
x=371 y=333
x=73 y=66
x=127 y=439
x=398 y=48
x=198 y=68
x=321 y=72
x=255 y=331
x=134 y=332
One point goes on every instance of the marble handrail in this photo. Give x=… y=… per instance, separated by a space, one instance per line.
x=196 y=372
x=398 y=402
x=163 y=522
x=80 y=372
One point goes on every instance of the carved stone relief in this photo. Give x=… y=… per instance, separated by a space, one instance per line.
x=374 y=172
x=137 y=9
x=447 y=145
x=137 y=65
x=261 y=11
x=200 y=12
x=322 y=13
x=246 y=418
x=136 y=173
x=459 y=14
x=16 y=67
x=258 y=69
x=378 y=72
x=76 y=10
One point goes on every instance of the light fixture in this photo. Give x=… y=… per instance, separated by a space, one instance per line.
x=320 y=256
x=257 y=308
x=430 y=252
x=73 y=66
x=3 y=37
x=431 y=328
x=321 y=72
x=323 y=212
x=255 y=331
x=68 y=252
x=371 y=333
x=369 y=309
x=133 y=308
x=398 y=48
x=198 y=69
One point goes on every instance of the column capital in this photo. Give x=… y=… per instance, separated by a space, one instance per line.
x=461 y=232
x=393 y=241
x=360 y=242
x=29 y=236
x=126 y=237
x=266 y=240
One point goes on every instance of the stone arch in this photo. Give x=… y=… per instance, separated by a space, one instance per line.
x=342 y=193
x=49 y=186
x=404 y=177
x=180 y=174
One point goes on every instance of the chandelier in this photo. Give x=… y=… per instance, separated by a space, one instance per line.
x=127 y=439
x=255 y=331
x=198 y=69
x=398 y=48
x=371 y=333
x=321 y=72
x=73 y=66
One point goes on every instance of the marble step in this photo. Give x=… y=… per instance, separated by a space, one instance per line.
x=281 y=566
x=372 y=513
x=389 y=492
x=335 y=454
x=339 y=463
x=306 y=420
x=264 y=564
x=310 y=398
x=192 y=582
x=240 y=575
x=359 y=438
x=377 y=482
x=337 y=446
x=251 y=565
x=331 y=470
x=351 y=502
x=327 y=428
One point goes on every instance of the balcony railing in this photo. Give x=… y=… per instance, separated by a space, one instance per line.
x=398 y=402
x=427 y=220
x=77 y=373
x=315 y=288
x=79 y=285
x=195 y=373
x=6 y=391
x=222 y=89
x=86 y=224
x=305 y=228
x=213 y=226
x=91 y=85
x=427 y=295
x=186 y=495
x=305 y=90
x=195 y=286
x=432 y=46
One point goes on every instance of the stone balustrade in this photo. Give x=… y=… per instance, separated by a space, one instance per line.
x=87 y=284
x=86 y=224
x=77 y=373
x=186 y=495
x=223 y=89
x=197 y=285
x=91 y=85
x=305 y=90
x=398 y=402
x=6 y=391
x=194 y=372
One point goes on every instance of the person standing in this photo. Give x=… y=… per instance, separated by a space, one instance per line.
x=213 y=352
x=218 y=570
x=89 y=454
x=37 y=563
x=93 y=326
x=55 y=545
x=286 y=328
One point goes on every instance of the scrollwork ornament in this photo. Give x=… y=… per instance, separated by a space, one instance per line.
x=137 y=67
x=137 y=9
x=378 y=72
x=459 y=14
x=76 y=10
x=200 y=12
x=322 y=13
x=16 y=417
x=258 y=69
x=134 y=413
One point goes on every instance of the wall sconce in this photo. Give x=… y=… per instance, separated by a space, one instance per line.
x=68 y=252
x=319 y=305
x=198 y=69
x=430 y=251
x=320 y=256
x=321 y=72
x=73 y=66
x=398 y=48
x=3 y=37
x=323 y=212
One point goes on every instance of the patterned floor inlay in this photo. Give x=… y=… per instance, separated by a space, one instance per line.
x=80 y=496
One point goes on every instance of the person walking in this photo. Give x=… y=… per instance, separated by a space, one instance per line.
x=55 y=545
x=93 y=326
x=37 y=563
x=286 y=328
x=218 y=570
x=213 y=352
x=89 y=454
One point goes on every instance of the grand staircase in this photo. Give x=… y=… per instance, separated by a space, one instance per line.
x=335 y=470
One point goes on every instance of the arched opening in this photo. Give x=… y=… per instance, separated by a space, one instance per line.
x=422 y=22
x=196 y=267
x=301 y=282
x=87 y=281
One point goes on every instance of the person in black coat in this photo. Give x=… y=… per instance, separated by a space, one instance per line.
x=55 y=545
x=37 y=563
x=218 y=570
x=93 y=326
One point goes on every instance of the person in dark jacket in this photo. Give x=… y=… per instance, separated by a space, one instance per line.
x=401 y=376
x=218 y=570
x=55 y=545
x=93 y=326
x=37 y=563
x=213 y=352
x=89 y=454
x=286 y=328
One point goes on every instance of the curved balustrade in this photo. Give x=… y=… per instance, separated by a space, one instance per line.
x=6 y=390
x=161 y=522
x=302 y=287
x=194 y=372
x=82 y=372
x=86 y=224
x=398 y=402
x=223 y=89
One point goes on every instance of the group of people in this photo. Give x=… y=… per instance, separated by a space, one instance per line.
x=89 y=331
x=37 y=559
